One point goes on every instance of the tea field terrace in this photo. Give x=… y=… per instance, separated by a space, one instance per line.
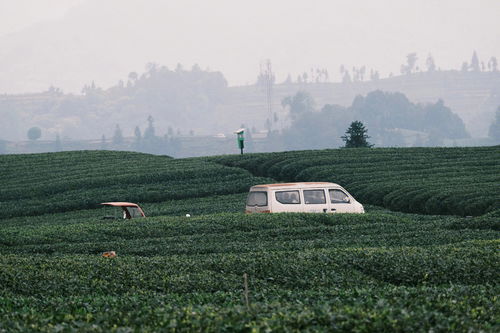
x=379 y=271
x=452 y=181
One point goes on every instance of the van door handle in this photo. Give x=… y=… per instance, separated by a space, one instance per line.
x=333 y=209
x=324 y=210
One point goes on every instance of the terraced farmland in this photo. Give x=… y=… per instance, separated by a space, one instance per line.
x=45 y=183
x=380 y=271
x=458 y=181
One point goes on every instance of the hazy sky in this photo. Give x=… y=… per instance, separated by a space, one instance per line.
x=19 y=14
x=235 y=36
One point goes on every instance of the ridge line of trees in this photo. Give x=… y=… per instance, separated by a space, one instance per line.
x=392 y=119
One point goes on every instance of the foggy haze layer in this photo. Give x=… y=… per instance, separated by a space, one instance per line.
x=103 y=41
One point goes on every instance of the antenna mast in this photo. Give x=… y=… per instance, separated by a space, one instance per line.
x=267 y=80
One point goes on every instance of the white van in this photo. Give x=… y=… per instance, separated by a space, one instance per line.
x=318 y=197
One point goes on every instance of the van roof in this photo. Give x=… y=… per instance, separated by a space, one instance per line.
x=296 y=185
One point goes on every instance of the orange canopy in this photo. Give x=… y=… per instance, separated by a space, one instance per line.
x=120 y=204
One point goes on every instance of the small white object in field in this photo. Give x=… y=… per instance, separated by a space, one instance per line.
x=188 y=215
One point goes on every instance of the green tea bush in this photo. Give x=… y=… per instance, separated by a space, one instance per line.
x=379 y=271
x=307 y=272
x=46 y=183
x=458 y=181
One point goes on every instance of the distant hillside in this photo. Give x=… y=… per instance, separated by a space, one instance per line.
x=474 y=96
x=208 y=106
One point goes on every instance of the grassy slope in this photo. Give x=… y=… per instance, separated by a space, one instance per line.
x=58 y=182
x=458 y=181
x=378 y=271
x=374 y=272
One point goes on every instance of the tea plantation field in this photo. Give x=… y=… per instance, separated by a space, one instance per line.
x=58 y=182
x=380 y=271
x=457 y=181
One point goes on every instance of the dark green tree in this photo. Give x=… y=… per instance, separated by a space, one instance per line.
x=34 y=133
x=356 y=136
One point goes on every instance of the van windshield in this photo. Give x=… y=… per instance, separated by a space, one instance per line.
x=257 y=198
x=338 y=196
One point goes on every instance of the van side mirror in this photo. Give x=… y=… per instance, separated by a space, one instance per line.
x=346 y=200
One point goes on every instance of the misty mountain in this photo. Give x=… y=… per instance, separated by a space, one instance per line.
x=192 y=99
x=175 y=99
x=86 y=45
x=103 y=41
x=91 y=51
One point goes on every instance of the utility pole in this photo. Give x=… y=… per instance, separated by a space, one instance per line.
x=267 y=79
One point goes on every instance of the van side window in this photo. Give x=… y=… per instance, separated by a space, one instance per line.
x=314 y=197
x=288 y=197
x=257 y=198
x=338 y=196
